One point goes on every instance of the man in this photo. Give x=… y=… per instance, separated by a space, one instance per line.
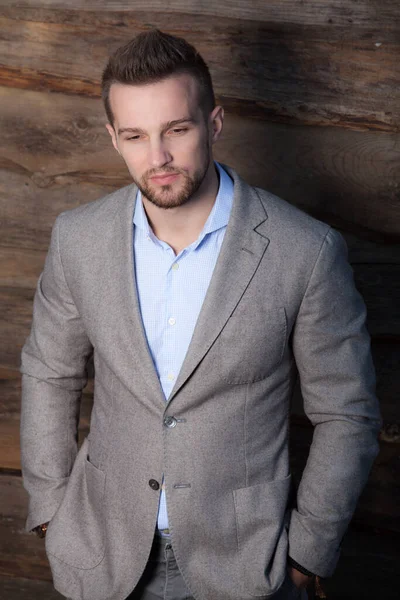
x=200 y=298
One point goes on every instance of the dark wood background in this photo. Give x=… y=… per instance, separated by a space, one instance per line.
x=311 y=92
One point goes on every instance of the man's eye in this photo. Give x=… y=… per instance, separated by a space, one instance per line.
x=179 y=130
x=134 y=137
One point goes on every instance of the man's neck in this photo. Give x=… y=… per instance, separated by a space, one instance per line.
x=181 y=226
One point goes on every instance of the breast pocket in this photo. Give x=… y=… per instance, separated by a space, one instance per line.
x=251 y=345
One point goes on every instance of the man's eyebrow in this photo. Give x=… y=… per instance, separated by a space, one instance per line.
x=164 y=126
x=130 y=130
x=178 y=122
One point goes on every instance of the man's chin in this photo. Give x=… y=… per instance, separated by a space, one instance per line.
x=165 y=197
x=166 y=200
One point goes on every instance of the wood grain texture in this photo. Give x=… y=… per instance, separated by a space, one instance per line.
x=22 y=554
x=362 y=250
x=22 y=588
x=10 y=394
x=20 y=268
x=340 y=12
x=347 y=179
x=386 y=357
x=15 y=322
x=380 y=287
x=283 y=68
x=10 y=457
x=55 y=153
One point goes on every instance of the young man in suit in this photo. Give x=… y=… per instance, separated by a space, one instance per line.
x=201 y=299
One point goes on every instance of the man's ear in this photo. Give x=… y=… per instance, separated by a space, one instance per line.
x=111 y=131
x=217 y=122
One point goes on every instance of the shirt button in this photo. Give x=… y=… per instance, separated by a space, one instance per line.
x=154 y=484
x=175 y=266
x=170 y=376
x=172 y=320
x=170 y=422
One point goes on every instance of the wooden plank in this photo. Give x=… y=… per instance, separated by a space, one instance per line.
x=318 y=12
x=380 y=287
x=22 y=554
x=10 y=456
x=280 y=70
x=358 y=575
x=348 y=179
x=20 y=267
x=15 y=323
x=386 y=357
x=55 y=154
x=10 y=394
x=16 y=588
x=362 y=251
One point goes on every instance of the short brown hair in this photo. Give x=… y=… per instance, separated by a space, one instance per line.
x=153 y=56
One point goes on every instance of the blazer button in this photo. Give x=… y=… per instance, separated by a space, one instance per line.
x=170 y=421
x=154 y=484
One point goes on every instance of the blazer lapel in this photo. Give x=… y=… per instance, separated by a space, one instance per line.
x=242 y=249
x=122 y=310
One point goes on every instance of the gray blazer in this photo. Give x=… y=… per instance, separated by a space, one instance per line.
x=281 y=299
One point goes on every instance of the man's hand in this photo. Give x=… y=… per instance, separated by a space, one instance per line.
x=300 y=580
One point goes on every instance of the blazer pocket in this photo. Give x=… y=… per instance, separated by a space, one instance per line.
x=262 y=534
x=251 y=345
x=76 y=533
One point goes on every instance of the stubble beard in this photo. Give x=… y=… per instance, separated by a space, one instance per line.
x=165 y=197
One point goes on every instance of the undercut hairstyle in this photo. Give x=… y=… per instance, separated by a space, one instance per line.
x=153 y=56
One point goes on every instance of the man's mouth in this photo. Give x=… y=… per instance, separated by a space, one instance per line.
x=164 y=179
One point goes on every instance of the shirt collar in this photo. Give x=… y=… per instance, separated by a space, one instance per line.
x=218 y=217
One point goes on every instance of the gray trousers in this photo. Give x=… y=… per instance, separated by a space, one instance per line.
x=162 y=579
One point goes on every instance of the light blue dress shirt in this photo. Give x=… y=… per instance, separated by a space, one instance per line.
x=171 y=289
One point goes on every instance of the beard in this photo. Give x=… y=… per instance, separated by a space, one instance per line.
x=165 y=197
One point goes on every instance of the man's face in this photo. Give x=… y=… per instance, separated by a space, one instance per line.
x=163 y=137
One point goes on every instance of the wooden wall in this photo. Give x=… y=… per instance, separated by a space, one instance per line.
x=312 y=99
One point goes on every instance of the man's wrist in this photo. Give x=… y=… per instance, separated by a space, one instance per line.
x=40 y=530
x=299 y=567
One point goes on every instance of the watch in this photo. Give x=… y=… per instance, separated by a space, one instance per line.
x=40 y=530
x=300 y=568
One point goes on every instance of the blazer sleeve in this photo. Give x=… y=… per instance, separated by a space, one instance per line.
x=332 y=351
x=53 y=366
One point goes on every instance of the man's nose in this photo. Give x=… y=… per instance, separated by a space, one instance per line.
x=159 y=155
